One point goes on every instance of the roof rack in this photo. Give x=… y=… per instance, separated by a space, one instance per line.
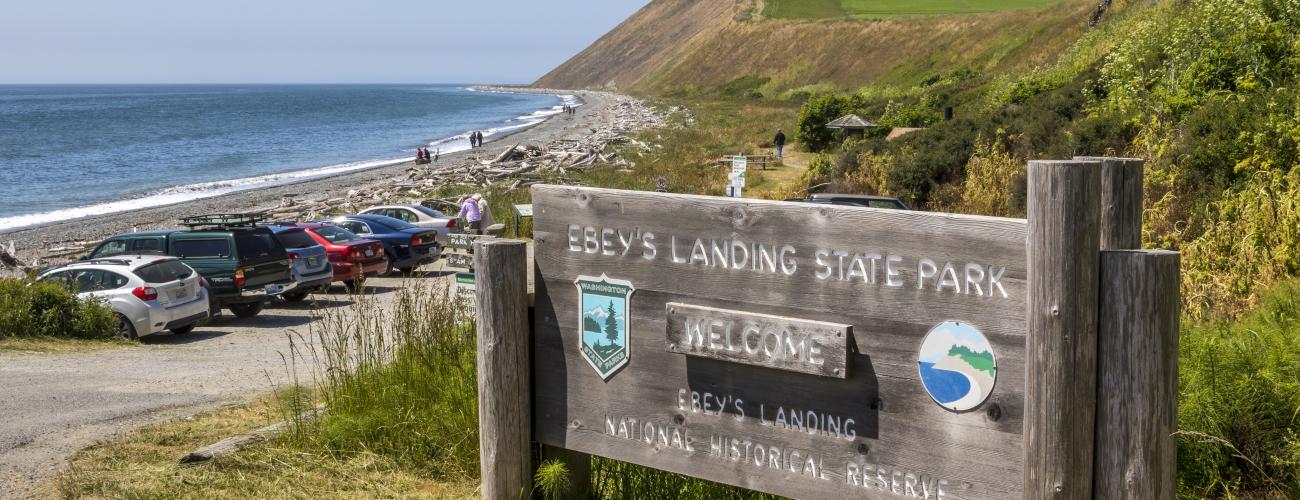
x=106 y=262
x=223 y=220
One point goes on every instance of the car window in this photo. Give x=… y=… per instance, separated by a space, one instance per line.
x=406 y=215
x=355 y=227
x=110 y=247
x=146 y=245
x=257 y=245
x=95 y=280
x=60 y=278
x=882 y=204
x=335 y=234
x=393 y=223
x=164 y=272
x=113 y=281
x=210 y=248
x=430 y=212
x=295 y=238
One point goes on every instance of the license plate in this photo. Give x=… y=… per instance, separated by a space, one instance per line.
x=313 y=261
x=370 y=252
x=179 y=294
x=274 y=289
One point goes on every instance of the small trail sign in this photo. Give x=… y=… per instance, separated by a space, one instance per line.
x=736 y=179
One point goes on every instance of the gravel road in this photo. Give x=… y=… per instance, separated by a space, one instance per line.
x=52 y=404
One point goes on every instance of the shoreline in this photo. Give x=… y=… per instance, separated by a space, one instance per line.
x=50 y=240
x=185 y=193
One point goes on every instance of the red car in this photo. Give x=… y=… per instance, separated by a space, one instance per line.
x=354 y=258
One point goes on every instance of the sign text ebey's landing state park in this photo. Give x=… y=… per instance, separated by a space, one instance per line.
x=801 y=350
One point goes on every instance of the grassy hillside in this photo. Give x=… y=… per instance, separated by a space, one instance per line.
x=824 y=9
x=688 y=46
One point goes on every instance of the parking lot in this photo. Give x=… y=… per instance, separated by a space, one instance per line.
x=57 y=403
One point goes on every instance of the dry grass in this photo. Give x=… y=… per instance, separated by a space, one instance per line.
x=44 y=345
x=143 y=465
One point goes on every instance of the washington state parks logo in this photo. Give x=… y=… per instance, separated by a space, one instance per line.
x=957 y=366
x=605 y=317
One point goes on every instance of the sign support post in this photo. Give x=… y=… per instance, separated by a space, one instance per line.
x=504 y=391
x=1061 y=345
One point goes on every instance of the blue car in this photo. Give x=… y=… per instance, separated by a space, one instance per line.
x=406 y=245
x=308 y=261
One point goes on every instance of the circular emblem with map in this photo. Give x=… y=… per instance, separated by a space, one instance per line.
x=957 y=366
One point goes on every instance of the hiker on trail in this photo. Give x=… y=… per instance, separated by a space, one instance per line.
x=473 y=216
x=780 y=142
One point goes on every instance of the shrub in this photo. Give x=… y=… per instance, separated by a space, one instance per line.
x=995 y=182
x=1239 y=410
x=814 y=116
x=47 y=310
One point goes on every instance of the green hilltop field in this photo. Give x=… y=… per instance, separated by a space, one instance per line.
x=824 y=9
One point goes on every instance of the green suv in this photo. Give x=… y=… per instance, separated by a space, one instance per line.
x=243 y=264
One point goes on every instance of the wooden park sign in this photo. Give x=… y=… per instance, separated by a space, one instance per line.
x=818 y=351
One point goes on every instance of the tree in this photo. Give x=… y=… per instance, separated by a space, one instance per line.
x=611 y=325
x=814 y=116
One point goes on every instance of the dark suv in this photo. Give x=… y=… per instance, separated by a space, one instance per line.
x=244 y=264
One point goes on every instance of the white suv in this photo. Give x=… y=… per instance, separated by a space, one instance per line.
x=149 y=293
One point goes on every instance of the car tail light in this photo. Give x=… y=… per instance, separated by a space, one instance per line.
x=340 y=257
x=416 y=240
x=145 y=293
x=451 y=222
x=292 y=257
x=239 y=277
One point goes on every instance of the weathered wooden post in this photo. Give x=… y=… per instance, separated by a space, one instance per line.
x=1121 y=201
x=1064 y=205
x=504 y=394
x=1137 y=400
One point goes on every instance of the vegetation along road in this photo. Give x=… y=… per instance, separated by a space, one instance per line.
x=57 y=403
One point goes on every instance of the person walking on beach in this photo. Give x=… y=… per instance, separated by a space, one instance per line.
x=470 y=212
x=437 y=153
x=780 y=142
x=419 y=155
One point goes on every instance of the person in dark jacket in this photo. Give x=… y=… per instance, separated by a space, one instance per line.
x=780 y=142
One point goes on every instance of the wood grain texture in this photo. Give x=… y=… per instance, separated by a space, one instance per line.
x=815 y=347
x=1064 y=203
x=1121 y=201
x=896 y=426
x=503 y=385
x=1137 y=393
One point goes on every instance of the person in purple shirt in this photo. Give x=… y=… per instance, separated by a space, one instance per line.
x=473 y=216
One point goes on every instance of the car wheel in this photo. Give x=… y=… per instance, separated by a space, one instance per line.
x=355 y=286
x=406 y=271
x=390 y=269
x=125 y=330
x=246 y=310
x=294 y=296
x=184 y=329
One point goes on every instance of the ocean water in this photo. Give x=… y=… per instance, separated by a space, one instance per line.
x=69 y=151
x=946 y=386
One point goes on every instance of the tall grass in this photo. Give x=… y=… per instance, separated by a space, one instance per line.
x=398 y=382
x=1239 y=405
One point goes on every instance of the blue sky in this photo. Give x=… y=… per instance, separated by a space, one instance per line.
x=286 y=41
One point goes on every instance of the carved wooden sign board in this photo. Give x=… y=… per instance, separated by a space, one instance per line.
x=796 y=349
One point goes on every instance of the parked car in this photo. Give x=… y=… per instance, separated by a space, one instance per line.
x=854 y=200
x=421 y=216
x=149 y=293
x=406 y=245
x=244 y=264
x=354 y=258
x=309 y=263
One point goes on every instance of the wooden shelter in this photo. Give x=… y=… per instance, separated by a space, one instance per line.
x=852 y=125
